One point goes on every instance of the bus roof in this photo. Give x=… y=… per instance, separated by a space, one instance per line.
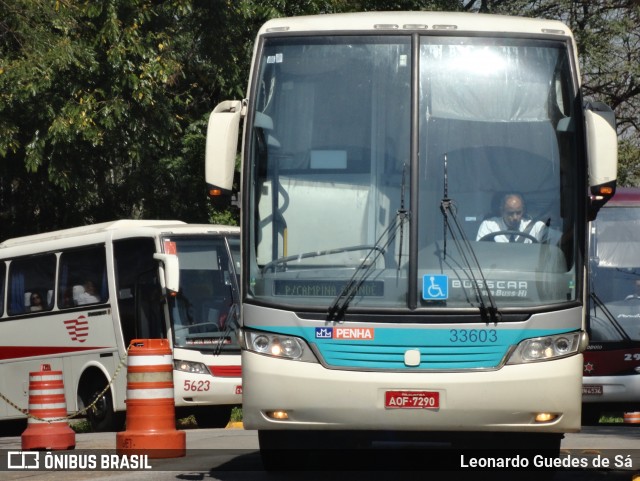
x=427 y=21
x=119 y=225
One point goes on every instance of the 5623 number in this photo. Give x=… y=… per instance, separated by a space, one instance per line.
x=196 y=385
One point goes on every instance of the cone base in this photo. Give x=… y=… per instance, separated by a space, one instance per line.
x=54 y=436
x=155 y=445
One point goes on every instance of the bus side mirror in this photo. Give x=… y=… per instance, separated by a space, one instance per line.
x=222 y=145
x=602 y=152
x=171 y=267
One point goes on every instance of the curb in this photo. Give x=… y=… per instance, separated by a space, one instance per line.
x=235 y=425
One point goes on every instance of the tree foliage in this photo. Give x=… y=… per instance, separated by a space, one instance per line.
x=98 y=109
x=104 y=105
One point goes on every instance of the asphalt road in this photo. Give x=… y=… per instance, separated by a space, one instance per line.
x=232 y=455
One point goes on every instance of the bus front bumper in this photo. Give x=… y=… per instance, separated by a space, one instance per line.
x=508 y=399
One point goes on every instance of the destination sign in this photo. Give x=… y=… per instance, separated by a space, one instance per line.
x=318 y=288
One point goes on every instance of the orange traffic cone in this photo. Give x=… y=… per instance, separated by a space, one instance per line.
x=151 y=422
x=632 y=417
x=48 y=428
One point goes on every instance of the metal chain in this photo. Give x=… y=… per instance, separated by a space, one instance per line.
x=12 y=404
x=78 y=413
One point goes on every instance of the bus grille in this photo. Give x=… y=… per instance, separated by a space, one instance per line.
x=391 y=357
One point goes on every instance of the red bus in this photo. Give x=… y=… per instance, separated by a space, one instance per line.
x=611 y=381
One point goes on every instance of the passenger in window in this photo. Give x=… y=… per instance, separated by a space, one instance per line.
x=513 y=225
x=36 y=302
x=90 y=294
x=67 y=297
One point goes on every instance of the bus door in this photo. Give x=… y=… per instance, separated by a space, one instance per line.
x=139 y=293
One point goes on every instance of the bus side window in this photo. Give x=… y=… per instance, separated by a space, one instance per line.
x=31 y=278
x=83 y=277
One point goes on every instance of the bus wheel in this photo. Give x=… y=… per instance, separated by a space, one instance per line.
x=213 y=416
x=275 y=449
x=14 y=427
x=101 y=416
x=590 y=416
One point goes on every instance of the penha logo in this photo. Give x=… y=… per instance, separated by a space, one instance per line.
x=324 y=332
x=78 y=328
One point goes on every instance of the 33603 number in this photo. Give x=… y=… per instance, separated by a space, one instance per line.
x=473 y=335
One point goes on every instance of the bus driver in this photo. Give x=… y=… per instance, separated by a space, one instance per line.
x=512 y=221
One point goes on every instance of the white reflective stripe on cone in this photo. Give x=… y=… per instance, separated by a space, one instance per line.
x=45 y=377
x=45 y=392
x=150 y=360
x=47 y=406
x=150 y=394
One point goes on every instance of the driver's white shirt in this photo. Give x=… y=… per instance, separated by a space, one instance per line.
x=495 y=224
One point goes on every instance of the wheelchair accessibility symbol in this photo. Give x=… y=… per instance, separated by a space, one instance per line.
x=435 y=287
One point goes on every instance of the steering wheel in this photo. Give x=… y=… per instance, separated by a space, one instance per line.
x=491 y=236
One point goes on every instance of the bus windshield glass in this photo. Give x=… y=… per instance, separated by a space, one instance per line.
x=433 y=180
x=201 y=312
x=615 y=275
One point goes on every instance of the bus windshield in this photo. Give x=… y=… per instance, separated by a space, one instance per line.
x=615 y=276
x=394 y=192
x=202 y=312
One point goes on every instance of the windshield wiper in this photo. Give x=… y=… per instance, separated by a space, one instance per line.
x=466 y=251
x=231 y=321
x=350 y=289
x=402 y=214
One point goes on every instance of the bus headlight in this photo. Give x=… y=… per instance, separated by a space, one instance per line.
x=278 y=345
x=546 y=348
x=189 y=366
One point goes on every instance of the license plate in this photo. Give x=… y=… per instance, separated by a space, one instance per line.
x=411 y=400
x=593 y=389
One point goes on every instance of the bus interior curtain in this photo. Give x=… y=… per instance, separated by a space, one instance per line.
x=17 y=293
x=104 y=291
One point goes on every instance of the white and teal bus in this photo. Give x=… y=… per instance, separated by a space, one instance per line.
x=374 y=145
x=75 y=298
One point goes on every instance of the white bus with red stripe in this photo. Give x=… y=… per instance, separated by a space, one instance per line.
x=611 y=378
x=75 y=299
